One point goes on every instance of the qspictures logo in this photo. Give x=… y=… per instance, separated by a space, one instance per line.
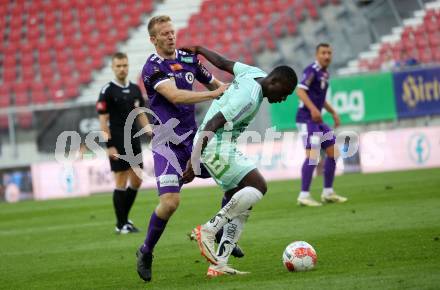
x=419 y=148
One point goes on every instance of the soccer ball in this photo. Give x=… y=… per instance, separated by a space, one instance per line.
x=299 y=256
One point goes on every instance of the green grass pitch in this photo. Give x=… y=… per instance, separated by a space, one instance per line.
x=385 y=237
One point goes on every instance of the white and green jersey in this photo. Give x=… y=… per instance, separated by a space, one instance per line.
x=239 y=105
x=240 y=102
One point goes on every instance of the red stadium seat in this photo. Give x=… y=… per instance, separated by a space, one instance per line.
x=28 y=73
x=5 y=99
x=71 y=91
x=27 y=60
x=21 y=99
x=24 y=120
x=313 y=12
x=20 y=87
x=39 y=97
x=424 y=55
x=423 y=40
x=9 y=75
x=4 y=122
x=436 y=54
x=9 y=62
x=408 y=44
x=43 y=39
x=434 y=39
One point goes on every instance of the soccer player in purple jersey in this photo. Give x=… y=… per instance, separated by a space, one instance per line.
x=168 y=76
x=315 y=133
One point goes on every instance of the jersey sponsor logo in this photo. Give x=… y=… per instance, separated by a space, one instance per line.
x=126 y=91
x=168 y=180
x=176 y=66
x=189 y=77
x=186 y=59
x=101 y=106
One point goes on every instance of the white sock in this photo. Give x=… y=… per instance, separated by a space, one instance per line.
x=327 y=191
x=304 y=194
x=231 y=234
x=239 y=203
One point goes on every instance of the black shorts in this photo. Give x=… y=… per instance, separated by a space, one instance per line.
x=123 y=165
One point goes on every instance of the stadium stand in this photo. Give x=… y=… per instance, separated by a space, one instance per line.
x=418 y=38
x=225 y=23
x=50 y=48
x=138 y=45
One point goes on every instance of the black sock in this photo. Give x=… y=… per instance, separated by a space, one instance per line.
x=130 y=197
x=119 y=206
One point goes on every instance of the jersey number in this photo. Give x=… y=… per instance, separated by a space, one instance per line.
x=217 y=166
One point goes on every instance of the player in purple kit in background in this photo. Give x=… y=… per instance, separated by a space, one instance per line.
x=315 y=133
x=168 y=76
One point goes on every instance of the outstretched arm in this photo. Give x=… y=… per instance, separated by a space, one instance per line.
x=177 y=96
x=213 y=57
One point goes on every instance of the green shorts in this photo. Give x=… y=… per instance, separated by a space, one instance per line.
x=226 y=164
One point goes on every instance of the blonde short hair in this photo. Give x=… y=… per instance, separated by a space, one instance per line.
x=156 y=20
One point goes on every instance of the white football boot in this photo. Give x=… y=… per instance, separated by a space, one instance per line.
x=219 y=270
x=206 y=243
x=333 y=198
x=308 y=201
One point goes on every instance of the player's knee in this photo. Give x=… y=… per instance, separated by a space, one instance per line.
x=121 y=183
x=171 y=204
x=172 y=207
x=312 y=155
x=121 y=179
x=256 y=180
x=136 y=182
x=261 y=185
x=332 y=152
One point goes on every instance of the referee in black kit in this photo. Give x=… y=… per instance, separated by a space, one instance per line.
x=116 y=100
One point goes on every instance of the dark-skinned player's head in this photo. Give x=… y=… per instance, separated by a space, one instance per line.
x=280 y=83
x=324 y=54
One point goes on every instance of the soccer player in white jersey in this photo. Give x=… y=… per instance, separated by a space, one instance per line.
x=238 y=176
